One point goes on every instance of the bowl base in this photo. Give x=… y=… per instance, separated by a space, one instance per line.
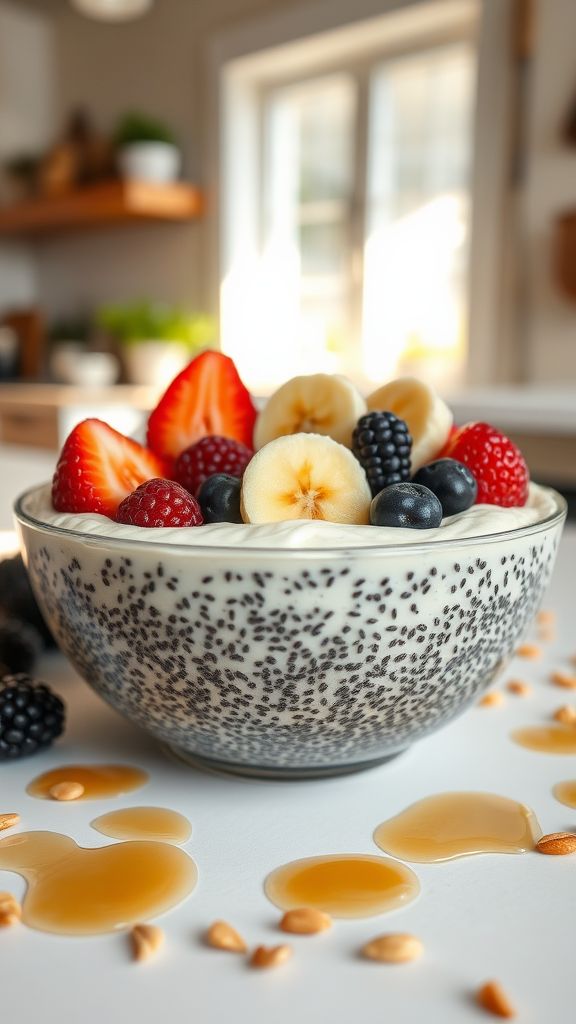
x=279 y=774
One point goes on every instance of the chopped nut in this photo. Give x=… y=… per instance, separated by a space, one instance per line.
x=568 y=682
x=519 y=688
x=546 y=618
x=222 y=935
x=270 y=956
x=305 y=921
x=557 y=843
x=491 y=700
x=67 y=791
x=146 y=940
x=10 y=910
x=491 y=997
x=8 y=821
x=393 y=948
x=530 y=651
x=565 y=714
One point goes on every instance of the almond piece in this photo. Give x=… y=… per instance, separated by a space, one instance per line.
x=270 y=956
x=530 y=651
x=519 y=688
x=491 y=700
x=66 y=791
x=565 y=714
x=492 y=997
x=146 y=940
x=222 y=935
x=8 y=820
x=10 y=910
x=393 y=948
x=557 y=843
x=546 y=618
x=305 y=921
x=568 y=682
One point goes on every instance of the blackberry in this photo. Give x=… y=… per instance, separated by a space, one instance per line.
x=382 y=444
x=20 y=645
x=17 y=598
x=31 y=716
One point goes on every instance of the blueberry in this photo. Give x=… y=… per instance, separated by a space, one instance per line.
x=451 y=482
x=219 y=499
x=409 y=505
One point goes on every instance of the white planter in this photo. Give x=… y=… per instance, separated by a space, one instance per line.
x=155 y=162
x=71 y=364
x=154 y=362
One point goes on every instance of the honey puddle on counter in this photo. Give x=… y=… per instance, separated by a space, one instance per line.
x=75 y=891
x=344 y=885
x=144 y=823
x=98 y=780
x=452 y=825
x=548 y=739
x=565 y=792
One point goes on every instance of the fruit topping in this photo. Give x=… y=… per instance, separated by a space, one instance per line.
x=31 y=716
x=305 y=476
x=98 y=468
x=429 y=419
x=20 y=646
x=452 y=483
x=381 y=443
x=160 y=503
x=219 y=499
x=208 y=397
x=210 y=455
x=411 y=506
x=321 y=403
x=497 y=464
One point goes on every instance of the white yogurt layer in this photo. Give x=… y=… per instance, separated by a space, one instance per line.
x=478 y=521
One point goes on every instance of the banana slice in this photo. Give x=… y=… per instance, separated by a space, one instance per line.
x=321 y=403
x=305 y=476
x=429 y=419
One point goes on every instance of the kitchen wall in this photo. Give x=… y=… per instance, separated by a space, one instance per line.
x=27 y=121
x=157 y=64
x=551 y=188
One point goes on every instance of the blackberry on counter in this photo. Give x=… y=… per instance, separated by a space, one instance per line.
x=17 y=600
x=20 y=646
x=382 y=444
x=31 y=716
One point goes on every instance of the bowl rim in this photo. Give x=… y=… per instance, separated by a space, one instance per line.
x=410 y=548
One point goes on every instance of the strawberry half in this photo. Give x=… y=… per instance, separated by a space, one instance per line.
x=98 y=468
x=208 y=397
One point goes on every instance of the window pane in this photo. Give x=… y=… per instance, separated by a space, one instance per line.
x=418 y=215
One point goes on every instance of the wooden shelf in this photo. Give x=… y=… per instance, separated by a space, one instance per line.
x=117 y=202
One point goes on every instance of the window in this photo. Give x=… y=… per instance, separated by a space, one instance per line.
x=346 y=221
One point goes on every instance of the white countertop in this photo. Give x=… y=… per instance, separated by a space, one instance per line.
x=507 y=917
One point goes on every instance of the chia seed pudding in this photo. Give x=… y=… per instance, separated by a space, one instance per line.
x=291 y=649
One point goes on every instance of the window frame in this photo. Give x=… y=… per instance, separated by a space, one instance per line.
x=491 y=338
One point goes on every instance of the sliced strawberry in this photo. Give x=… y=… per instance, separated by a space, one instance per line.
x=208 y=397
x=98 y=468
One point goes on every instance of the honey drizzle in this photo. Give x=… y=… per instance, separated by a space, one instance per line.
x=344 y=885
x=565 y=792
x=98 y=780
x=144 y=823
x=75 y=891
x=547 y=739
x=450 y=825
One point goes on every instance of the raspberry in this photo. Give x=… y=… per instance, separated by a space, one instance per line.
x=382 y=444
x=210 y=455
x=497 y=464
x=159 y=503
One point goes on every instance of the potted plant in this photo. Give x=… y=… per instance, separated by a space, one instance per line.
x=147 y=150
x=73 y=358
x=156 y=341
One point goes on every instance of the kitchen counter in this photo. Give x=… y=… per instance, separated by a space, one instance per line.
x=491 y=916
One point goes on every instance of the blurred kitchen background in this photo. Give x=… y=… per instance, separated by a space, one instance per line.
x=372 y=187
